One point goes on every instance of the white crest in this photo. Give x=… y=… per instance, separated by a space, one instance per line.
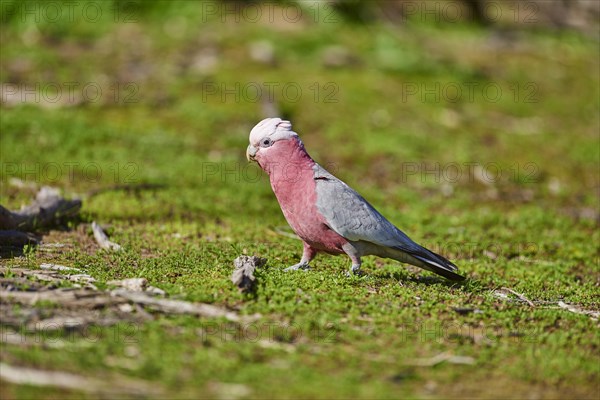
x=274 y=128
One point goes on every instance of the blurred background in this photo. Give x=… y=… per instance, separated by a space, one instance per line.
x=472 y=124
x=99 y=93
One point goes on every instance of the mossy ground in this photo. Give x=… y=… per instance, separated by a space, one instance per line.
x=506 y=185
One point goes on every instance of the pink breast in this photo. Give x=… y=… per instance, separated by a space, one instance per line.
x=295 y=188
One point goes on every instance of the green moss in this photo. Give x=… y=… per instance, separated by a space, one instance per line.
x=528 y=223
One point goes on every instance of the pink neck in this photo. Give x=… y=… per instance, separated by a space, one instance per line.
x=287 y=159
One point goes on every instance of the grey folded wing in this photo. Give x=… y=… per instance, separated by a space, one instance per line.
x=351 y=216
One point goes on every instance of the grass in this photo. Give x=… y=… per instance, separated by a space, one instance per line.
x=531 y=225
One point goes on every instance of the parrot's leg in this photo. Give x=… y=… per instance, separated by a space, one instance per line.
x=354 y=255
x=307 y=255
x=355 y=268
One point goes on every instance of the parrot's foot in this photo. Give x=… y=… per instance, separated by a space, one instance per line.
x=298 y=266
x=355 y=270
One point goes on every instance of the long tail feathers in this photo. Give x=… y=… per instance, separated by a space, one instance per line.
x=445 y=269
x=435 y=263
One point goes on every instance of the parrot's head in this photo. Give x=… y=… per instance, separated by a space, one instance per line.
x=270 y=140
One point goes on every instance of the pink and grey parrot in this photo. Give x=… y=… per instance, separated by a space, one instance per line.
x=327 y=214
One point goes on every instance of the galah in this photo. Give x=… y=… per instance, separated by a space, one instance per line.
x=326 y=213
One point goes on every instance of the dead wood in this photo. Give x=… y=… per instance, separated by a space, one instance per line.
x=441 y=358
x=47 y=210
x=14 y=238
x=169 y=306
x=574 y=308
x=102 y=239
x=43 y=305
x=520 y=296
x=243 y=275
x=65 y=380
x=77 y=299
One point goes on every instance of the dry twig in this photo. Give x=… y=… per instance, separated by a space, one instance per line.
x=440 y=358
x=578 y=310
x=511 y=291
x=102 y=239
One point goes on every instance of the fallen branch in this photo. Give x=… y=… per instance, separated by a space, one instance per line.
x=51 y=273
x=47 y=209
x=578 y=310
x=14 y=238
x=66 y=380
x=243 y=275
x=78 y=308
x=102 y=239
x=78 y=299
x=440 y=358
x=56 y=267
x=178 y=306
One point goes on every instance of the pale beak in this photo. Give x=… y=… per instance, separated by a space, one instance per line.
x=251 y=152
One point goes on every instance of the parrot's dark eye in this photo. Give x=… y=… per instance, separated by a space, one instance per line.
x=266 y=142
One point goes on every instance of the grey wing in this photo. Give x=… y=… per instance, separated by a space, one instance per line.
x=351 y=216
